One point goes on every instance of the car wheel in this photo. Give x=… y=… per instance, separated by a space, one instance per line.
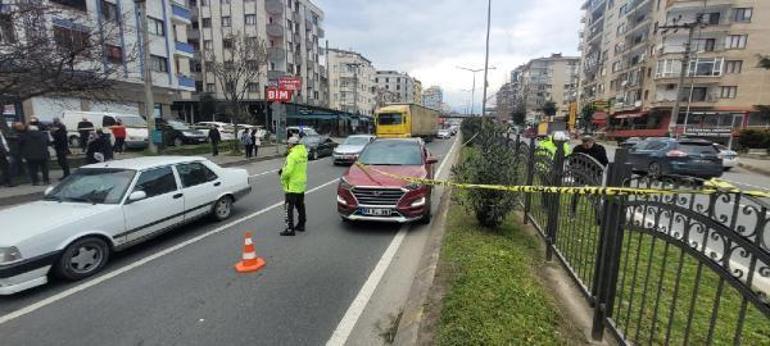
x=83 y=258
x=222 y=209
x=655 y=170
x=74 y=142
x=425 y=219
x=314 y=155
x=178 y=142
x=727 y=168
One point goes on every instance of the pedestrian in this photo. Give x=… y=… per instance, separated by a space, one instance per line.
x=119 y=132
x=16 y=162
x=256 y=142
x=98 y=148
x=592 y=149
x=247 y=143
x=294 y=180
x=61 y=146
x=85 y=128
x=33 y=144
x=215 y=137
x=5 y=163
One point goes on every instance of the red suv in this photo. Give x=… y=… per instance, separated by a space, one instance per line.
x=366 y=194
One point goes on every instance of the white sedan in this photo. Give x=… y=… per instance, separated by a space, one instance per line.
x=729 y=157
x=108 y=207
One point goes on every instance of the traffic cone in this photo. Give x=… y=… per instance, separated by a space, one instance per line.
x=249 y=262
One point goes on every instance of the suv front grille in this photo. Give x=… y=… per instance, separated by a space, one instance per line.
x=374 y=196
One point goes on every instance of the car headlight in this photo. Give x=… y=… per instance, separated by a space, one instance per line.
x=419 y=202
x=414 y=186
x=345 y=185
x=341 y=200
x=9 y=254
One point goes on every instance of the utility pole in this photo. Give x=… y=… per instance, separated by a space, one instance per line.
x=473 y=88
x=486 y=60
x=682 y=74
x=149 y=102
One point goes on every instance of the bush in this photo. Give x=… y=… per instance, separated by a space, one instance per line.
x=470 y=127
x=490 y=161
x=755 y=138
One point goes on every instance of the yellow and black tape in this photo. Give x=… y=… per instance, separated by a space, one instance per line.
x=712 y=187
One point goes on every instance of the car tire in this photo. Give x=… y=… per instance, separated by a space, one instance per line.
x=314 y=155
x=425 y=219
x=727 y=168
x=83 y=258
x=222 y=208
x=655 y=170
x=178 y=142
x=74 y=142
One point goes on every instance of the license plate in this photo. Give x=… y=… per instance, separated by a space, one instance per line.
x=375 y=212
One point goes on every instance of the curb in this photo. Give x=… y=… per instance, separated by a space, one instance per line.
x=763 y=171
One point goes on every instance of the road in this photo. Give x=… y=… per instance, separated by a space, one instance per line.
x=181 y=287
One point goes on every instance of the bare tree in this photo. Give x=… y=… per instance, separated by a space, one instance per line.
x=48 y=49
x=384 y=97
x=238 y=71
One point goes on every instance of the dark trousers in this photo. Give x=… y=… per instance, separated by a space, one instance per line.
x=34 y=166
x=294 y=201
x=120 y=143
x=17 y=166
x=61 y=158
x=214 y=148
x=5 y=170
x=83 y=142
x=249 y=149
x=256 y=149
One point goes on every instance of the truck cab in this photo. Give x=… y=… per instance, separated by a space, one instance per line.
x=393 y=122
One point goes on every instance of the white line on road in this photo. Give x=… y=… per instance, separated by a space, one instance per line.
x=357 y=307
x=277 y=169
x=64 y=294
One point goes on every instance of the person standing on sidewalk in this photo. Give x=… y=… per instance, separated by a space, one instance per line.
x=5 y=164
x=592 y=149
x=247 y=143
x=294 y=181
x=85 y=128
x=119 y=132
x=256 y=141
x=61 y=146
x=33 y=144
x=215 y=137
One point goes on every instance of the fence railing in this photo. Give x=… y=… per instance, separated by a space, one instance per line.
x=684 y=268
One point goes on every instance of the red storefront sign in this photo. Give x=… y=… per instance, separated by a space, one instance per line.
x=278 y=95
x=290 y=83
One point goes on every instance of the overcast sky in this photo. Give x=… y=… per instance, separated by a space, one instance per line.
x=428 y=39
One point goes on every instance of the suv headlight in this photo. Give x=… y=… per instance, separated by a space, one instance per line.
x=414 y=186
x=345 y=185
x=9 y=254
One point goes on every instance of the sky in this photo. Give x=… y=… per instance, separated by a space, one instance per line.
x=429 y=38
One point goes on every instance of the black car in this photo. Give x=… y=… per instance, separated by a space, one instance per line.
x=178 y=133
x=318 y=146
x=668 y=156
x=630 y=142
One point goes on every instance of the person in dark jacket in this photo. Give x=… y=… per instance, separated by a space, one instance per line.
x=215 y=137
x=592 y=149
x=5 y=155
x=33 y=144
x=98 y=148
x=15 y=161
x=61 y=146
x=85 y=128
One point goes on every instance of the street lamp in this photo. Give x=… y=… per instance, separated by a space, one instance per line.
x=149 y=102
x=473 y=89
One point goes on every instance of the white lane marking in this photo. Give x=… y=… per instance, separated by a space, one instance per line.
x=64 y=294
x=357 y=307
x=278 y=169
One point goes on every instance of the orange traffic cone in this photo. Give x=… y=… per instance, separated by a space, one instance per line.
x=250 y=262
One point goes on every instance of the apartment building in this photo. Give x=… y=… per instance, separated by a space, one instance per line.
x=632 y=60
x=417 y=94
x=552 y=79
x=351 y=82
x=433 y=97
x=170 y=57
x=398 y=84
x=291 y=29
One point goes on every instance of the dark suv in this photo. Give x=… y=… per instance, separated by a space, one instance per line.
x=668 y=156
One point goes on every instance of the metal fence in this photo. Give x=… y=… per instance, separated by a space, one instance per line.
x=689 y=268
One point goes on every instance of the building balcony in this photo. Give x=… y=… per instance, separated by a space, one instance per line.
x=274 y=7
x=275 y=30
x=321 y=33
x=181 y=13
x=276 y=54
x=186 y=83
x=184 y=49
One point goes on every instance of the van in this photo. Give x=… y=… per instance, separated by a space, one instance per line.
x=226 y=131
x=136 y=127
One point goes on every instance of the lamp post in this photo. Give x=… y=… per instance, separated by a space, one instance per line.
x=473 y=88
x=486 y=59
x=149 y=102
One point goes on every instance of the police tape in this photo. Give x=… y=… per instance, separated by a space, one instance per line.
x=712 y=187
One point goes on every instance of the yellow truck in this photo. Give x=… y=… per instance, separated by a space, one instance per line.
x=406 y=120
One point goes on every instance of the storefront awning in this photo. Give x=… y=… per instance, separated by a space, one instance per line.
x=629 y=116
x=313 y=116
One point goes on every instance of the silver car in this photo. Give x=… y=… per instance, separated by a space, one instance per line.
x=348 y=151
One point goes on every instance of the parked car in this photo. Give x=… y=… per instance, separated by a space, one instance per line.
x=729 y=157
x=348 y=151
x=226 y=131
x=318 y=146
x=178 y=133
x=630 y=142
x=136 y=126
x=300 y=131
x=108 y=207
x=668 y=156
x=444 y=134
x=365 y=194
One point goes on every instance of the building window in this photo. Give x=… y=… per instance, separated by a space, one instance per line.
x=109 y=11
x=253 y=87
x=743 y=15
x=114 y=54
x=156 y=26
x=204 y=2
x=225 y=2
x=736 y=41
x=227 y=43
x=709 y=44
x=226 y=22
x=7 y=33
x=158 y=63
x=78 y=4
x=251 y=19
x=706 y=67
x=208 y=44
x=733 y=66
x=710 y=18
x=206 y=22
x=72 y=40
x=211 y=87
x=729 y=92
x=253 y=65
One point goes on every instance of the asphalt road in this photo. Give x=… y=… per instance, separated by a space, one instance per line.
x=181 y=288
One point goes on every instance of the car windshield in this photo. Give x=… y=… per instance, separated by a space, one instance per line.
x=390 y=119
x=93 y=185
x=178 y=125
x=392 y=153
x=311 y=140
x=133 y=122
x=356 y=141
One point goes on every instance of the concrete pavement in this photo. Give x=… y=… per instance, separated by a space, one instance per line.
x=181 y=288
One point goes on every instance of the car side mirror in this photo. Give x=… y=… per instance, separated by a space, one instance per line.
x=137 y=196
x=432 y=160
x=48 y=191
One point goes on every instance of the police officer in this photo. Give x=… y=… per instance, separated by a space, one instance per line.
x=549 y=143
x=294 y=180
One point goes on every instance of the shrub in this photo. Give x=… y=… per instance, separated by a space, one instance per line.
x=755 y=138
x=490 y=161
x=470 y=127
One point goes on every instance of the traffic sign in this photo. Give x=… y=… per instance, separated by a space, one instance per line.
x=290 y=83
x=278 y=95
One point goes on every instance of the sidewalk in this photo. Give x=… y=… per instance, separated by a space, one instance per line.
x=755 y=165
x=25 y=192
